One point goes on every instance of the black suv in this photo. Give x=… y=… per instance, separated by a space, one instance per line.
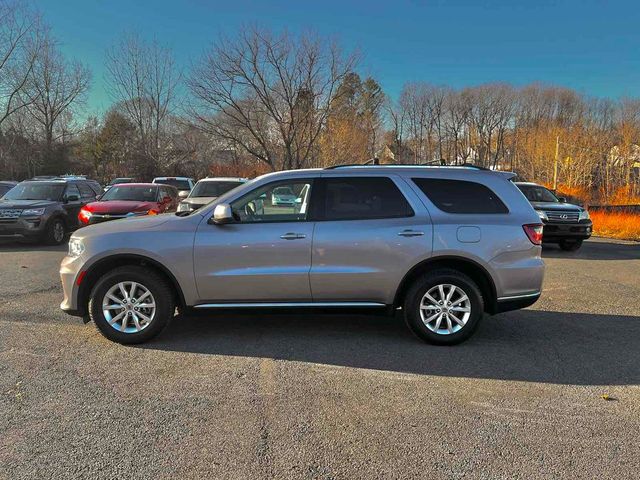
x=45 y=210
x=565 y=224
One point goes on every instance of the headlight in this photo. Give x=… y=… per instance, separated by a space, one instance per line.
x=76 y=247
x=584 y=215
x=33 y=212
x=542 y=214
x=184 y=207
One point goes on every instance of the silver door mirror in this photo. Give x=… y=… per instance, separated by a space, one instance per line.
x=182 y=194
x=222 y=214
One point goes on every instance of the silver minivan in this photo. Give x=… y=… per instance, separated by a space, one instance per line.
x=445 y=245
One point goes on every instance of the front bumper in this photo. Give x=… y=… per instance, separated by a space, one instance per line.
x=27 y=227
x=555 y=231
x=70 y=269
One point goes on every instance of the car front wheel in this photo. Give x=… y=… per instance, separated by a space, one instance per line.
x=444 y=307
x=131 y=305
x=55 y=232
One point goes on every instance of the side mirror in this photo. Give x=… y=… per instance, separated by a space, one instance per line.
x=182 y=194
x=562 y=200
x=72 y=198
x=222 y=214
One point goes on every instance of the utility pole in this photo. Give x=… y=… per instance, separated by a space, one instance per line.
x=555 y=165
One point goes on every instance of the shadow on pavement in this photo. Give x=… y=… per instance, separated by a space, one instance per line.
x=529 y=345
x=30 y=246
x=596 y=250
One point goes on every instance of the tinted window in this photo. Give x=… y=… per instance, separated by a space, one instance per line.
x=86 y=191
x=213 y=189
x=4 y=189
x=354 y=198
x=167 y=192
x=179 y=184
x=72 y=189
x=264 y=205
x=536 y=193
x=459 y=196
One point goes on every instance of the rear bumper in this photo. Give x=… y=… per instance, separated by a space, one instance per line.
x=554 y=232
x=516 y=302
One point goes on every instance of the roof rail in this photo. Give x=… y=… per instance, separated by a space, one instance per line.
x=426 y=164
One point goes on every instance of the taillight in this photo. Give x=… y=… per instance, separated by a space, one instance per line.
x=534 y=232
x=84 y=215
x=153 y=212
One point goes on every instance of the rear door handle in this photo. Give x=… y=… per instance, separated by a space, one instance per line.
x=293 y=236
x=411 y=233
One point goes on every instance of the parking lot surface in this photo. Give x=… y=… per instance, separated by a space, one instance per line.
x=326 y=397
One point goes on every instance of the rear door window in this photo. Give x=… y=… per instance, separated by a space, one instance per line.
x=362 y=198
x=86 y=192
x=461 y=196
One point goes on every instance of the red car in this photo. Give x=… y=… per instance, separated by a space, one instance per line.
x=130 y=199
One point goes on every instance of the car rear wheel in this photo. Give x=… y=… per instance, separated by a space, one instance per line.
x=131 y=305
x=55 y=232
x=444 y=307
x=570 y=245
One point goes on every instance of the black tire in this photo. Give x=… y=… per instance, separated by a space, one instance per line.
x=155 y=283
x=421 y=286
x=52 y=231
x=570 y=245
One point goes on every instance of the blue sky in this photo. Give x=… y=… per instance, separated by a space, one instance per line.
x=591 y=46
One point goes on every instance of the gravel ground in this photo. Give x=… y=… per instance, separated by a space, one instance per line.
x=326 y=397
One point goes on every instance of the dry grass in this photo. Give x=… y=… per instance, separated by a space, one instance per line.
x=623 y=225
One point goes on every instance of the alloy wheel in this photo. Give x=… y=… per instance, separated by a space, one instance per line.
x=129 y=307
x=445 y=309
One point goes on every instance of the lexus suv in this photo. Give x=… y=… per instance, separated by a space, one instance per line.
x=443 y=244
x=565 y=224
x=45 y=210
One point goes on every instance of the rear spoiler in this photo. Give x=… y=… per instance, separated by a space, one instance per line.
x=507 y=175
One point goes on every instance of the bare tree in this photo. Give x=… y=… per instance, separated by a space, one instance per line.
x=55 y=87
x=142 y=78
x=20 y=40
x=269 y=94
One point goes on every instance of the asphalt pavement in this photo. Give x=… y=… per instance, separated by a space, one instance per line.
x=548 y=392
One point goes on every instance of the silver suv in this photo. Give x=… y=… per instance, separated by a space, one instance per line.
x=444 y=244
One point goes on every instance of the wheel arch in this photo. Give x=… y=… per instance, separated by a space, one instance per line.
x=106 y=264
x=464 y=265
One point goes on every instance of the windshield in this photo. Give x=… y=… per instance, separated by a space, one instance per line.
x=35 y=191
x=283 y=191
x=131 y=193
x=213 y=189
x=535 y=193
x=174 y=182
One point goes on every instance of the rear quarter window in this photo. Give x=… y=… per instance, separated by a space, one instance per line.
x=461 y=196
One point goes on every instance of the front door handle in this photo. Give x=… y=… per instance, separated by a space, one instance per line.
x=411 y=233
x=293 y=236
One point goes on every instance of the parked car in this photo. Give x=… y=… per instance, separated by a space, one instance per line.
x=44 y=209
x=117 y=181
x=184 y=185
x=565 y=224
x=283 y=196
x=130 y=199
x=5 y=186
x=445 y=244
x=207 y=190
